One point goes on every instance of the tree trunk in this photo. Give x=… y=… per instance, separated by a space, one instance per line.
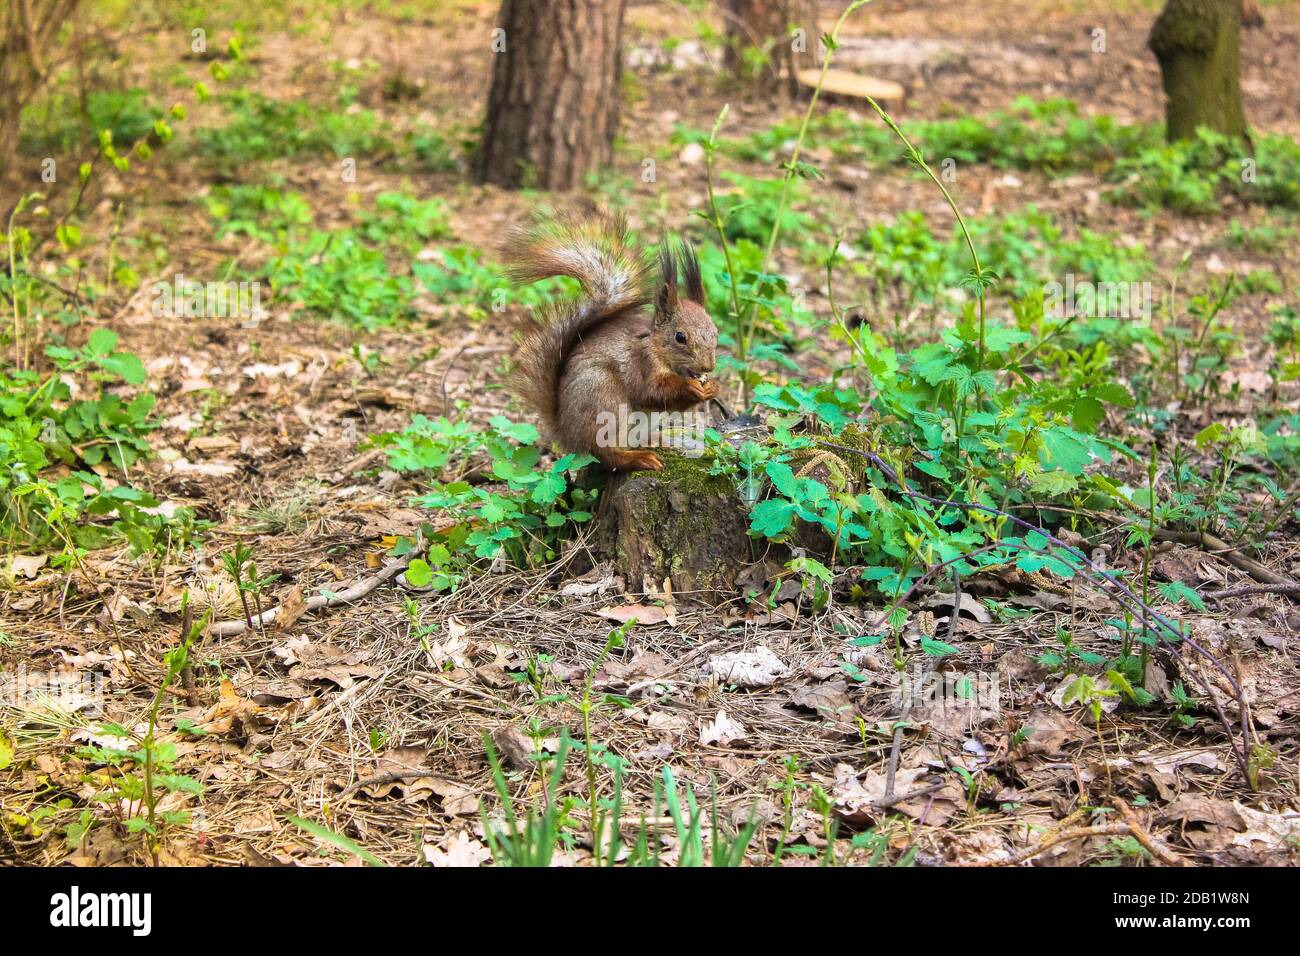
x=1198 y=45
x=553 y=108
x=28 y=33
x=768 y=41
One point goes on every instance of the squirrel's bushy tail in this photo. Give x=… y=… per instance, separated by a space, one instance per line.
x=598 y=252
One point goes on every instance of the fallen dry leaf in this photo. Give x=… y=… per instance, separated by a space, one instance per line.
x=515 y=746
x=756 y=668
x=596 y=582
x=25 y=565
x=459 y=849
x=644 y=613
x=856 y=796
x=667 y=723
x=721 y=730
x=1274 y=829
x=1049 y=730
x=454 y=648
x=645 y=666
x=829 y=700
x=965 y=604
x=335 y=665
x=1168 y=763
x=291 y=608
x=206 y=469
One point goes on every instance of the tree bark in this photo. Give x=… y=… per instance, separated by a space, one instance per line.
x=554 y=104
x=684 y=525
x=769 y=41
x=28 y=32
x=1197 y=43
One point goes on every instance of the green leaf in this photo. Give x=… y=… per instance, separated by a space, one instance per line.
x=1062 y=450
x=867 y=640
x=998 y=338
x=550 y=487
x=936 y=648
x=1088 y=413
x=101 y=342
x=934 y=469
x=1176 y=591
x=337 y=839
x=522 y=432
x=782 y=478
x=125 y=365
x=1114 y=393
x=771 y=518
x=419 y=574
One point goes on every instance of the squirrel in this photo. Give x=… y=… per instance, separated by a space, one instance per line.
x=637 y=337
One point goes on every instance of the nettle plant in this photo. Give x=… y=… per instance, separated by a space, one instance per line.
x=369 y=276
x=489 y=481
x=138 y=768
x=912 y=463
x=963 y=413
x=65 y=461
x=74 y=420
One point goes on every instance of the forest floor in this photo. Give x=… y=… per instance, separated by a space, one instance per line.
x=369 y=718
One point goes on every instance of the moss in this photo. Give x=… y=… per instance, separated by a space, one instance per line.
x=1187 y=26
x=684 y=523
x=692 y=475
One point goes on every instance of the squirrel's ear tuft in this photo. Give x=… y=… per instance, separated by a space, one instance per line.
x=666 y=297
x=691 y=274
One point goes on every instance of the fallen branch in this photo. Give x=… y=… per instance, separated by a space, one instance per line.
x=1221 y=549
x=887 y=801
x=1140 y=834
x=355 y=593
x=379 y=779
x=1290 y=590
x=1130 y=827
x=1062 y=836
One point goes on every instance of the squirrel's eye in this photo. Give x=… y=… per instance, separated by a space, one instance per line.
x=681 y=338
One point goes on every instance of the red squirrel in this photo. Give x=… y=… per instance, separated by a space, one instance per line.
x=631 y=339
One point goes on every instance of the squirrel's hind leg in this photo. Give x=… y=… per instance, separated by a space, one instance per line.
x=597 y=415
x=618 y=460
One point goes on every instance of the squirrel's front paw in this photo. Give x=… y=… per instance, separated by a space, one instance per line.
x=703 y=391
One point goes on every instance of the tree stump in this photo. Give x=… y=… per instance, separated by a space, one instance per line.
x=682 y=524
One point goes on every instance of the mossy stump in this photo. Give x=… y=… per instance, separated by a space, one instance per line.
x=682 y=524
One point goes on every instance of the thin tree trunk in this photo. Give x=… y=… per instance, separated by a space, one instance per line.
x=554 y=104
x=1197 y=43
x=28 y=31
x=769 y=41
